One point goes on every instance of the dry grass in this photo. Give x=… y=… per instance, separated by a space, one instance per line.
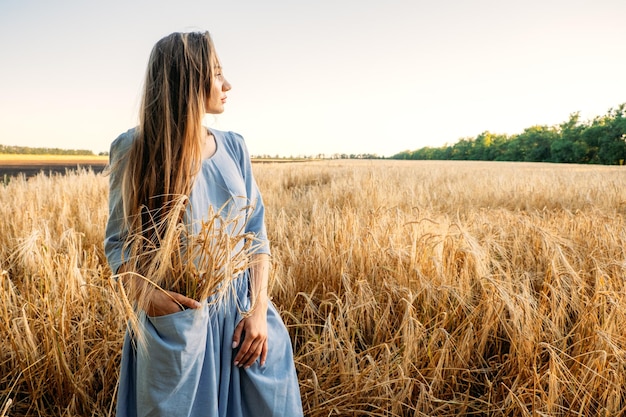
x=409 y=288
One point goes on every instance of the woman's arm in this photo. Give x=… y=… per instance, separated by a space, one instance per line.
x=156 y=302
x=254 y=326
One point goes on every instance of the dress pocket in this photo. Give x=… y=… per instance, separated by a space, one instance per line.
x=169 y=368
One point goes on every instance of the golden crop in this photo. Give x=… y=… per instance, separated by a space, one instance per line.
x=409 y=289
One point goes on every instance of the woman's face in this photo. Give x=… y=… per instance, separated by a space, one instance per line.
x=219 y=86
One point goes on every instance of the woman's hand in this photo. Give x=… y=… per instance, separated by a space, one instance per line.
x=157 y=302
x=254 y=329
x=168 y=302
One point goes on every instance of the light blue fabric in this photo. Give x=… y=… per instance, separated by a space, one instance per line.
x=187 y=368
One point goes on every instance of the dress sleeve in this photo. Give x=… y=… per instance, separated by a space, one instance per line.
x=256 y=217
x=115 y=232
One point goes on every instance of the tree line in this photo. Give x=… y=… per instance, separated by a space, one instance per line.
x=25 y=150
x=320 y=156
x=598 y=141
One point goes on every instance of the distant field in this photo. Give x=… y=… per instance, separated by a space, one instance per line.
x=30 y=165
x=281 y=160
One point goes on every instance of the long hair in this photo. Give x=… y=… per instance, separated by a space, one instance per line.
x=166 y=154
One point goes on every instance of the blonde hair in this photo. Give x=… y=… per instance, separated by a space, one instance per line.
x=166 y=153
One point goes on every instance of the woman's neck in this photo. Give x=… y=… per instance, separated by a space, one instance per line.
x=209 y=146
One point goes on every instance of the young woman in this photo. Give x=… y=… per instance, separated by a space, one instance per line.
x=192 y=357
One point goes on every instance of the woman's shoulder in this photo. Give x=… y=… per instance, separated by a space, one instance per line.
x=122 y=143
x=233 y=142
x=229 y=137
x=118 y=151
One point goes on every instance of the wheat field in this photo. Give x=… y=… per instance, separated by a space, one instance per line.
x=409 y=289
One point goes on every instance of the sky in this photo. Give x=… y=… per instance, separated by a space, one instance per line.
x=317 y=77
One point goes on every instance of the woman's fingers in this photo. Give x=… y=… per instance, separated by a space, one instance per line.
x=168 y=302
x=264 y=353
x=243 y=352
x=249 y=353
x=258 y=350
x=237 y=335
x=185 y=301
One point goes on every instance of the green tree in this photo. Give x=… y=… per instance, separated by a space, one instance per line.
x=536 y=142
x=563 y=149
x=612 y=144
x=462 y=149
x=482 y=145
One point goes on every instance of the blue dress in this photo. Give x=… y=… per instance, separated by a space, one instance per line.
x=187 y=369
